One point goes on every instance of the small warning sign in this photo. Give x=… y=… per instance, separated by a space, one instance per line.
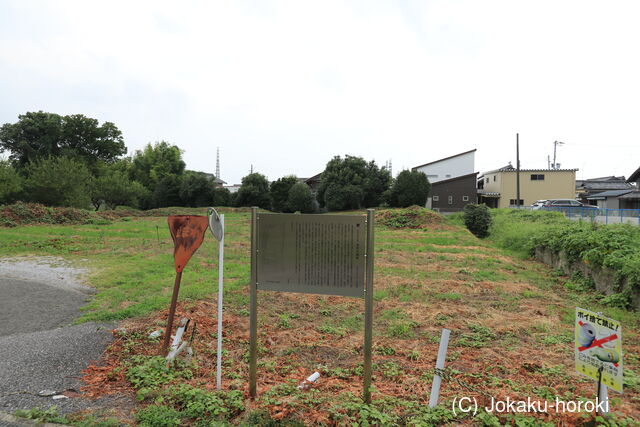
x=599 y=345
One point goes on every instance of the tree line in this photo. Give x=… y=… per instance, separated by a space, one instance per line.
x=75 y=161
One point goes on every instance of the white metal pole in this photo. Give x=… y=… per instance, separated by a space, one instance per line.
x=437 y=379
x=220 y=289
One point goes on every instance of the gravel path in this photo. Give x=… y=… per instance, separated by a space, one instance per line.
x=39 y=349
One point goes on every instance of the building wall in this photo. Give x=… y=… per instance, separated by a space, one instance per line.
x=449 y=168
x=557 y=184
x=457 y=189
x=493 y=182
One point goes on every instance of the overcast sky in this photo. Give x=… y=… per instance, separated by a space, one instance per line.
x=285 y=86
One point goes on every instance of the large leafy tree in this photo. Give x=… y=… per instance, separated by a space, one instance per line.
x=279 y=191
x=409 y=188
x=156 y=162
x=301 y=199
x=39 y=135
x=254 y=191
x=352 y=183
x=159 y=167
x=59 y=181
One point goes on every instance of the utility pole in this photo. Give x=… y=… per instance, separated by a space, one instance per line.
x=517 y=170
x=555 y=146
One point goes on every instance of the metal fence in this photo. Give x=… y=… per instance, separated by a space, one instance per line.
x=600 y=215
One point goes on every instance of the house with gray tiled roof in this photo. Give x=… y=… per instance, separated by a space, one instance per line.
x=586 y=189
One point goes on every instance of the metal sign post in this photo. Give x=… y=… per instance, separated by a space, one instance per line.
x=216 y=225
x=187 y=232
x=368 y=310
x=253 y=306
x=598 y=353
x=316 y=254
x=437 y=379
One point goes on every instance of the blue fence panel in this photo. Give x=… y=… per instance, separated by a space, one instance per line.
x=593 y=213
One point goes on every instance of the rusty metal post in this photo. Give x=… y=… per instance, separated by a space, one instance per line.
x=253 y=306
x=172 y=312
x=368 y=308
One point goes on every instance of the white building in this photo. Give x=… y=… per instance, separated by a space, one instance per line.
x=449 y=167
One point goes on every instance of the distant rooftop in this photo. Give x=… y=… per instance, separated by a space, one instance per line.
x=446 y=158
x=510 y=168
x=611 y=193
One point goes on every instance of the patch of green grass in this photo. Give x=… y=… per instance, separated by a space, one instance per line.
x=450 y=296
x=131 y=268
x=332 y=330
x=480 y=336
x=158 y=416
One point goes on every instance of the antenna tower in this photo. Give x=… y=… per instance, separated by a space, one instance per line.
x=218 y=163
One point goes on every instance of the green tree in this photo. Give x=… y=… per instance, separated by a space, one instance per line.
x=114 y=188
x=477 y=218
x=376 y=182
x=352 y=183
x=166 y=192
x=10 y=182
x=279 y=192
x=347 y=197
x=59 y=181
x=301 y=199
x=221 y=197
x=155 y=162
x=38 y=135
x=254 y=191
x=159 y=168
x=196 y=189
x=409 y=188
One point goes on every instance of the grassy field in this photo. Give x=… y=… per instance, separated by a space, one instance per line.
x=511 y=321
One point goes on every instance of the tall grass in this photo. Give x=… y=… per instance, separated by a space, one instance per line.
x=514 y=230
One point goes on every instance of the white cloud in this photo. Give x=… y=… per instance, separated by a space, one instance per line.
x=286 y=85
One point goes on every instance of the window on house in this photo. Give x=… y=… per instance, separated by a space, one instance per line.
x=450 y=200
x=465 y=198
x=494 y=178
x=537 y=177
x=436 y=198
x=447 y=176
x=512 y=202
x=487 y=180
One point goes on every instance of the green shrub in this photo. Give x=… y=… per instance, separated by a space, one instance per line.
x=158 y=416
x=149 y=372
x=477 y=219
x=21 y=213
x=201 y=404
x=411 y=217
